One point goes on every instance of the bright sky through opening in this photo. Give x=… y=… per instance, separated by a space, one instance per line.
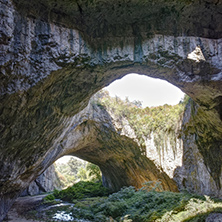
x=65 y=159
x=150 y=91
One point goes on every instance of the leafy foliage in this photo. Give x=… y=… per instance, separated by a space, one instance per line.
x=68 y=172
x=94 y=172
x=130 y=205
x=80 y=190
x=142 y=206
x=76 y=170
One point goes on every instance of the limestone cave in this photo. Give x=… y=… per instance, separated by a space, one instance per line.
x=55 y=55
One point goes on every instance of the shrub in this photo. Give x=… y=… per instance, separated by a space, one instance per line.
x=143 y=206
x=49 y=197
x=129 y=205
x=81 y=190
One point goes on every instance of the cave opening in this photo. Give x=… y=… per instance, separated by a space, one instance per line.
x=120 y=107
x=71 y=170
x=153 y=109
x=143 y=102
x=53 y=66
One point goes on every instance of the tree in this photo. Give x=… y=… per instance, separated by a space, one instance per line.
x=69 y=171
x=137 y=103
x=94 y=172
x=83 y=174
x=75 y=165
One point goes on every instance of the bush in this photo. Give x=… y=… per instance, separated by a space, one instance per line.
x=143 y=206
x=50 y=197
x=81 y=190
x=130 y=205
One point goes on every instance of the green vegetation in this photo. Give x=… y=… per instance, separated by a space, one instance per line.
x=162 y=122
x=131 y=205
x=75 y=170
x=80 y=190
x=68 y=172
x=92 y=201
x=93 y=171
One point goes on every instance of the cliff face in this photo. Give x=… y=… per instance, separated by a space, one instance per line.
x=55 y=55
x=95 y=138
x=100 y=136
x=159 y=143
x=201 y=168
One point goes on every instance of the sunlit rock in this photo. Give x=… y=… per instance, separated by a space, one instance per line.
x=196 y=55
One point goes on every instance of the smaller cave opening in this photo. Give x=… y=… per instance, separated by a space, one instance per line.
x=71 y=170
x=63 y=173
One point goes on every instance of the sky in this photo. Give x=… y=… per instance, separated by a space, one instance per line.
x=65 y=159
x=150 y=91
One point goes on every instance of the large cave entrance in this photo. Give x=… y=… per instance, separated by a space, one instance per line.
x=126 y=115
x=146 y=146
x=114 y=133
x=129 y=142
x=55 y=57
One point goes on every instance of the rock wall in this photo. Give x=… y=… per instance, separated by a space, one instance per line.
x=167 y=159
x=46 y=182
x=54 y=57
x=201 y=169
x=185 y=164
x=95 y=138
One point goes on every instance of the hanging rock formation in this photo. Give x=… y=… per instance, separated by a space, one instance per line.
x=54 y=55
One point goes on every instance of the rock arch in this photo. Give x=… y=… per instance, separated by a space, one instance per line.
x=94 y=137
x=54 y=58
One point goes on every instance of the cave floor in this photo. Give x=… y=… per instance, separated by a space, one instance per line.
x=21 y=206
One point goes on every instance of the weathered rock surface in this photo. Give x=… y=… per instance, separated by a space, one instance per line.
x=185 y=160
x=166 y=159
x=46 y=182
x=214 y=217
x=201 y=168
x=55 y=55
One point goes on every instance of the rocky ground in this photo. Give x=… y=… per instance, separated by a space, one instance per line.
x=23 y=205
